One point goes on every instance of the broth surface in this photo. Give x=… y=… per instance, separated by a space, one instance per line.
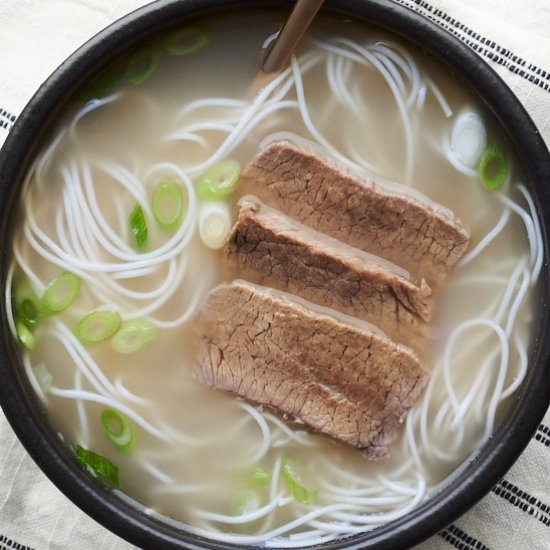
x=200 y=447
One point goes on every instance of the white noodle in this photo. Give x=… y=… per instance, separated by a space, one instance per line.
x=445 y=107
x=81 y=411
x=113 y=403
x=92 y=105
x=538 y=235
x=266 y=434
x=487 y=239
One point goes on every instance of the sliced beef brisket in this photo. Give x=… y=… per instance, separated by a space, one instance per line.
x=341 y=379
x=269 y=248
x=387 y=220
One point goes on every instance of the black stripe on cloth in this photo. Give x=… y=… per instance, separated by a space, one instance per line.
x=7 y=115
x=8 y=544
x=542 y=435
x=6 y=119
x=524 y=501
x=482 y=45
x=461 y=540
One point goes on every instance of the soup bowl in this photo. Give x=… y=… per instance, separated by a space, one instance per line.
x=30 y=421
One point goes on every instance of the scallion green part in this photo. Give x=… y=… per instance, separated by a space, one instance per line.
x=220 y=181
x=98 y=466
x=246 y=503
x=141 y=65
x=187 y=40
x=97 y=326
x=134 y=335
x=101 y=85
x=138 y=226
x=118 y=430
x=168 y=205
x=24 y=334
x=60 y=293
x=29 y=312
x=493 y=168
x=259 y=477
x=294 y=483
x=43 y=376
x=26 y=304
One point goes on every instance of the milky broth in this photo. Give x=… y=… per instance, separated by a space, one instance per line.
x=207 y=443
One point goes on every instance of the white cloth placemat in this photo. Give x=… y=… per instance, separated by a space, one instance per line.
x=512 y=35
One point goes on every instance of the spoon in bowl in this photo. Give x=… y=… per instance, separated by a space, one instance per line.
x=299 y=20
x=286 y=42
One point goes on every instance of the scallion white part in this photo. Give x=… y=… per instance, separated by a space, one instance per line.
x=214 y=224
x=43 y=376
x=468 y=138
x=246 y=503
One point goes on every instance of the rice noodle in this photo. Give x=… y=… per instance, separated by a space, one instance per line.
x=113 y=403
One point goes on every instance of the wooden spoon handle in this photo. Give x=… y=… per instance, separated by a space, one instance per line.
x=292 y=32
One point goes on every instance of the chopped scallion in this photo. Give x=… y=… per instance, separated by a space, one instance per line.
x=102 y=85
x=220 y=181
x=141 y=65
x=117 y=429
x=294 y=483
x=60 y=293
x=134 y=335
x=43 y=376
x=246 y=503
x=97 y=326
x=214 y=224
x=98 y=466
x=29 y=312
x=187 y=40
x=468 y=138
x=138 y=225
x=168 y=205
x=26 y=337
x=259 y=478
x=27 y=305
x=493 y=168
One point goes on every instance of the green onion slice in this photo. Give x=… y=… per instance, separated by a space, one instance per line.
x=168 y=205
x=134 y=335
x=246 y=503
x=60 y=293
x=29 y=312
x=214 y=224
x=220 y=181
x=294 y=483
x=187 y=40
x=43 y=377
x=259 y=478
x=97 y=326
x=102 y=85
x=117 y=429
x=26 y=337
x=141 y=65
x=27 y=305
x=493 y=168
x=98 y=466
x=138 y=225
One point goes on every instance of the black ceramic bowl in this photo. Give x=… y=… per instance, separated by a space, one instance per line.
x=17 y=398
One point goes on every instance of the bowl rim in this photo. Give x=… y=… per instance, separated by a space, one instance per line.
x=29 y=421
